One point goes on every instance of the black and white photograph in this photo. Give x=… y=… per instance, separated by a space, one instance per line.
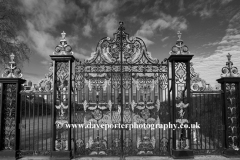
x=119 y=79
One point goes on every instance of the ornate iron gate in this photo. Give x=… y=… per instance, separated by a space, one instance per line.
x=121 y=84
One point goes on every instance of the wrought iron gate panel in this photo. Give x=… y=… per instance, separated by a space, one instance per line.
x=36 y=118
x=35 y=123
x=206 y=110
x=120 y=84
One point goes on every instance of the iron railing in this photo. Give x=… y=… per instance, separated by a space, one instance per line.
x=207 y=112
x=35 y=123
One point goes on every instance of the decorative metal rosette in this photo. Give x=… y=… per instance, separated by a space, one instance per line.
x=63 y=48
x=11 y=71
x=198 y=84
x=180 y=48
x=229 y=70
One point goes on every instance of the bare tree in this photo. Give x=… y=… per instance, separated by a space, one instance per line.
x=10 y=22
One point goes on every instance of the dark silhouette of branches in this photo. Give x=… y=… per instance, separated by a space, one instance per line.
x=10 y=22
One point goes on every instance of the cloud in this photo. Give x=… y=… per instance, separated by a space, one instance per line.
x=41 y=20
x=83 y=51
x=181 y=6
x=80 y=56
x=45 y=62
x=210 y=67
x=165 y=22
x=155 y=7
x=79 y=52
x=211 y=44
x=103 y=14
x=207 y=8
x=146 y=41
x=87 y=30
x=46 y=14
x=99 y=9
x=109 y=24
x=224 y=2
x=40 y=41
x=133 y=19
x=150 y=27
x=165 y=38
x=205 y=12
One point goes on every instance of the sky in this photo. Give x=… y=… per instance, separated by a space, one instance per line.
x=210 y=29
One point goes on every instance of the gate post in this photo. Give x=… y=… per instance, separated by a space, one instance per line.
x=180 y=99
x=9 y=111
x=62 y=88
x=230 y=85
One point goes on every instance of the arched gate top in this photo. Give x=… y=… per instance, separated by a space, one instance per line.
x=121 y=50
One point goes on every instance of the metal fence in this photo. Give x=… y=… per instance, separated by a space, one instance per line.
x=35 y=123
x=207 y=111
x=36 y=117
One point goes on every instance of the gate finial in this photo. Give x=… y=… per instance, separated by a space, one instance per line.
x=63 y=35
x=229 y=70
x=121 y=28
x=63 y=41
x=63 y=48
x=180 y=48
x=179 y=35
x=11 y=71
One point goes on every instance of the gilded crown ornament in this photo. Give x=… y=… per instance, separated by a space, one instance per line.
x=63 y=48
x=229 y=70
x=180 y=48
x=11 y=71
